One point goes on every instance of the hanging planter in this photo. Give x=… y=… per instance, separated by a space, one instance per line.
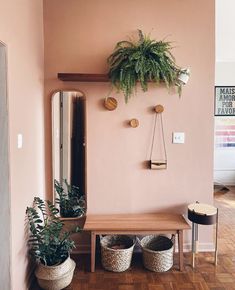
x=143 y=61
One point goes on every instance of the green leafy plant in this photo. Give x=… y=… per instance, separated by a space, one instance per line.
x=48 y=242
x=71 y=202
x=143 y=61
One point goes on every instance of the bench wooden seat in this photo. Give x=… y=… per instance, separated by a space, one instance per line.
x=136 y=224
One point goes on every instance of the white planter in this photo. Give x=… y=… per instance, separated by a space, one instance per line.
x=55 y=277
x=184 y=76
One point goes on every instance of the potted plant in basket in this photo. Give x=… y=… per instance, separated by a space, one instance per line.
x=50 y=245
x=71 y=202
x=143 y=61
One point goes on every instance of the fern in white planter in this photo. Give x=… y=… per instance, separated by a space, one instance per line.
x=143 y=61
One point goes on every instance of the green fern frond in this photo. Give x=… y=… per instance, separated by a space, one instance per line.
x=142 y=61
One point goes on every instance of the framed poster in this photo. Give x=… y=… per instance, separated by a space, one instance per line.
x=224 y=101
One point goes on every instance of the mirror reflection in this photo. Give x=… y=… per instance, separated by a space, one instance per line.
x=69 y=152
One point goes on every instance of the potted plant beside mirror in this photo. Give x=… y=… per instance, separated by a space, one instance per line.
x=71 y=202
x=50 y=245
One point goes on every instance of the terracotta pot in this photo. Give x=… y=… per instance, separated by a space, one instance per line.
x=55 y=277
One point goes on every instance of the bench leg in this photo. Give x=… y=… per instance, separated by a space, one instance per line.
x=93 y=248
x=180 y=246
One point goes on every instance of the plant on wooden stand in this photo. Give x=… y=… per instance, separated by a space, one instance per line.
x=71 y=202
x=143 y=61
x=50 y=245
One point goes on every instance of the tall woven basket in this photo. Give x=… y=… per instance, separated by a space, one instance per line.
x=116 y=260
x=158 y=252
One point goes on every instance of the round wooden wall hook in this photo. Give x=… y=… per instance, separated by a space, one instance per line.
x=134 y=123
x=110 y=103
x=159 y=109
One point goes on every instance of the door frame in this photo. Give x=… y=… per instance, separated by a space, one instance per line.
x=5 y=227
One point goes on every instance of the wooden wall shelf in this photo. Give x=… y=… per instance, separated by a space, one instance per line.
x=78 y=77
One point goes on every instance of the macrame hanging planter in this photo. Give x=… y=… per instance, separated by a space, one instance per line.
x=161 y=161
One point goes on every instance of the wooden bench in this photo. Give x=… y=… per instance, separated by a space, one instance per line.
x=136 y=224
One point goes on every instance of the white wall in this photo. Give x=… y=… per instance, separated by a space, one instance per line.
x=224 y=158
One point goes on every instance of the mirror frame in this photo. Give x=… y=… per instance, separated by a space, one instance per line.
x=85 y=141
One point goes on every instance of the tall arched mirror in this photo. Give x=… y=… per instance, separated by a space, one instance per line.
x=69 y=152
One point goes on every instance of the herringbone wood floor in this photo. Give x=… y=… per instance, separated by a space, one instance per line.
x=205 y=276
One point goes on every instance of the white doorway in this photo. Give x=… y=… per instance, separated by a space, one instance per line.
x=224 y=146
x=5 y=248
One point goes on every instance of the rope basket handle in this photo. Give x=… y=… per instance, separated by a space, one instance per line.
x=138 y=240
x=101 y=237
x=134 y=238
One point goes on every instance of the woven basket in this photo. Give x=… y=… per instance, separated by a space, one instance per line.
x=157 y=252
x=55 y=277
x=116 y=260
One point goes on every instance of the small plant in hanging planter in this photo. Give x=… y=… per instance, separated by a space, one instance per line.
x=143 y=61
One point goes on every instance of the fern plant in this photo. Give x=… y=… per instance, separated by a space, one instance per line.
x=71 y=202
x=143 y=61
x=48 y=242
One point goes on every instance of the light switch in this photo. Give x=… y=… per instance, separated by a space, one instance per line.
x=19 y=141
x=178 y=137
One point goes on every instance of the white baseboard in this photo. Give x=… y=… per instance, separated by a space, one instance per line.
x=202 y=247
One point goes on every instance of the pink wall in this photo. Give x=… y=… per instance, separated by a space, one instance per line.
x=21 y=29
x=79 y=35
